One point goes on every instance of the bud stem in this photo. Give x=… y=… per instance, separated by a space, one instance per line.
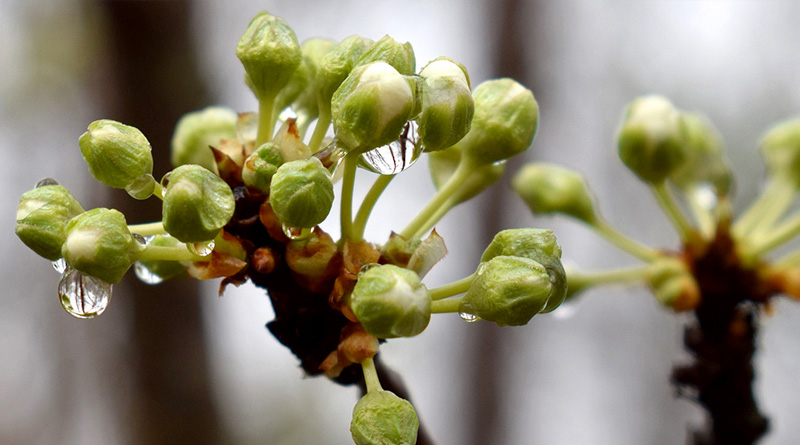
x=158 y=191
x=173 y=253
x=768 y=208
x=348 y=182
x=266 y=120
x=446 y=306
x=451 y=289
x=147 y=229
x=320 y=129
x=371 y=375
x=685 y=229
x=779 y=235
x=705 y=219
x=623 y=242
x=368 y=203
x=422 y=221
x=580 y=280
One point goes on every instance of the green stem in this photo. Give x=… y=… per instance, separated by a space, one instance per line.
x=368 y=203
x=147 y=229
x=348 y=183
x=673 y=212
x=446 y=306
x=783 y=233
x=454 y=288
x=704 y=217
x=170 y=253
x=417 y=225
x=580 y=280
x=371 y=375
x=623 y=242
x=266 y=119
x=320 y=130
x=158 y=191
x=770 y=205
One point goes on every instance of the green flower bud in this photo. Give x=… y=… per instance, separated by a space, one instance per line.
x=443 y=164
x=119 y=156
x=447 y=105
x=305 y=103
x=504 y=124
x=399 y=55
x=780 y=148
x=651 y=140
x=509 y=290
x=705 y=158
x=673 y=284
x=390 y=302
x=336 y=65
x=261 y=166
x=42 y=217
x=162 y=268
x=548 y=188
x=382 y=418
x=371 y=107
x=99 y=244
x=538 y=245
x=195 y=132
x=270 y=54
x=197 y=204
x=301 y=193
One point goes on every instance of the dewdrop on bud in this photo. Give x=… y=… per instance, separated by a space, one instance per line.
x=301 y=193
x=650 y=139
x=390 y=302
x=503 y=125
x=548 y=188
x=261 y=166
x=382 y=418
x=195 y=132
x=197 y=204
x=509 y=291
x=371 y=107
x=399 y=55
x=780 y=148
x=447 y=105
x=270 y=54
x=119 y=156
x=42 y=217
x=99 y=244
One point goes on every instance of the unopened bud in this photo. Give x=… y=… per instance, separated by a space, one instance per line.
x=447 y=105
x=261 y=166
x=301 y=193
x=197 y=204
x=382 y=418
x=673 y=284
x=399 y=55
x=780 y=148
x=195 y=132
x=335 y=65
x=270 y=54
x=42 y=217
x=548 y=188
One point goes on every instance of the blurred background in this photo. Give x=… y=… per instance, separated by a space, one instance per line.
x=176 y=364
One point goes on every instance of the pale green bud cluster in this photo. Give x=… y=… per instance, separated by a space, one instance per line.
x=650 y=139
x=119 y=156
x=261 y=166
x=197 y=204
x=371 y=107
x=270 y=54
x=382 y=418
x=301 y=193
x=390 y=302
x=42 y=217
x=195 y=132
x=780 y=148
x=447 y=104
x=548 y=188
x=99 y=243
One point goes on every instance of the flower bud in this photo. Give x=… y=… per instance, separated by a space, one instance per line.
x=99 y=244
x=705 y=158
x=119 y=156
x=382 y=418
x=443 y=164
x=270 y=54
x=538 y=245
x=164 y=269
x=42 y=217
x=673 y=285
x=301 y=193
x=504 y=124
x=197 y=204
x=399 y=55
x=390 y=302
x=650 y=139
x=336 y=65
x=261 y=166
x=305 y=103
x=548 y=188
x=371 y=107
x=447 y=105
x=509 y=290
x=780 y=148
x=195 y=132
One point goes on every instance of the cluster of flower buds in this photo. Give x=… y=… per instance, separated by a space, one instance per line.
x=245 y=201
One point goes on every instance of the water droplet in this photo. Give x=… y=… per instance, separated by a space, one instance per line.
x=331 y=156
x=83 y=296
x=706 y=195
x=567 y=310
x=202 y=248
x=286 y=114
x=45 y=182
x=146 y=275
x=466 y=313
x=367 y=267
x=143 y=240
x=481 y=268
x=296 y=233
x=395 y=157
x=60 y=265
